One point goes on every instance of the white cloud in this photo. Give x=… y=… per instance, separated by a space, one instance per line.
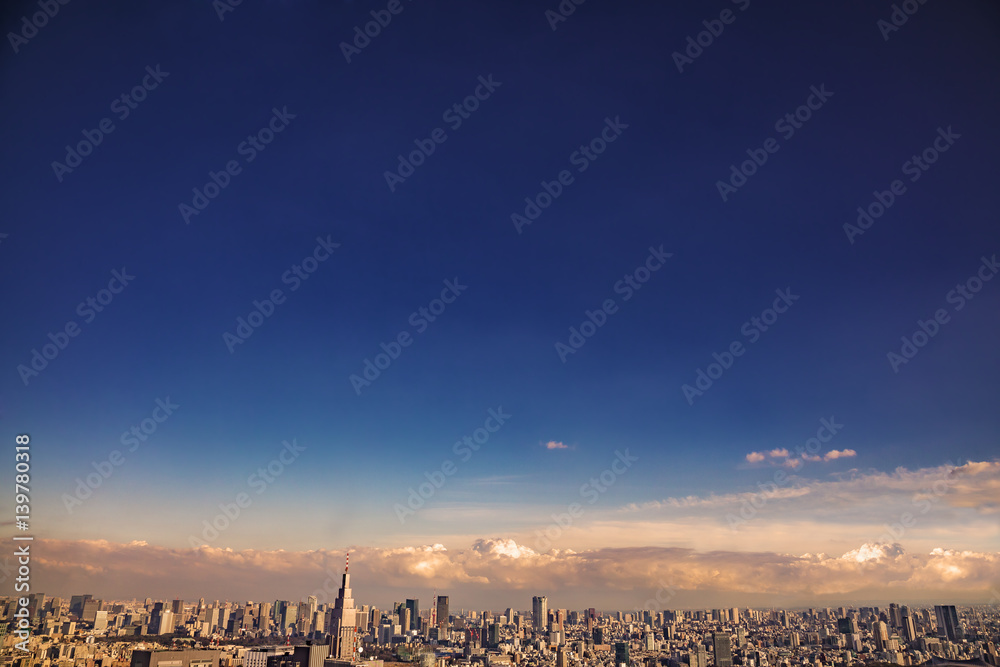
x=501 y=564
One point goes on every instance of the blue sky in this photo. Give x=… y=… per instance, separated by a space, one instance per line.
x=323 y=176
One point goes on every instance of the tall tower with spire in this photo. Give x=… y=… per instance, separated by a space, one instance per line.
x=343 y=637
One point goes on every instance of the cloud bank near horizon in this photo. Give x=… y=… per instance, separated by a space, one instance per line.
x=499 y=571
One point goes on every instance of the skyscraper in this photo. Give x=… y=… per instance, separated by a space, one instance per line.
x=722 y=649
x=621 y=653
x=948 y=623
x=699 y=657
x=76 y=604
x=909 y=630
x=539 y=612
x=343 y=637
x=414 y=607
x=880 y=634
x=442 y=613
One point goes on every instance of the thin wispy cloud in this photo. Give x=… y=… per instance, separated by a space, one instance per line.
x=553 y=444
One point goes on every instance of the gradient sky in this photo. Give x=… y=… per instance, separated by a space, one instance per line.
x=323 y=176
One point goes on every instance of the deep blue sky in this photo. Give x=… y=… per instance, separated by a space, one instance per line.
x=323 y=175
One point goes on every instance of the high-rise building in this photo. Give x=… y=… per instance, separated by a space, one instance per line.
x=101 y=621
x=76 y=604
x=621 y=653
x=177 y=607
x=264 y=619
x=289 y=615
x=722 y=648
x=880 y=635
x=166 y=623
x=909 y=629
x=442 y=613
x=699 y=657
x=343 y=636
x=847 y=626
x=90 y=608
x=539 y=612
x=414 y=607
x=948 y=623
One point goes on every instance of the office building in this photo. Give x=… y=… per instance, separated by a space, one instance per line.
x=621 y=654
x=948 y=624
x=722 y=649
x=343 y=638
x=442 y=615
x=414 y=607
x=539 y=612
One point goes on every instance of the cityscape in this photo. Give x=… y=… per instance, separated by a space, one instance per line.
x=343 y=633
x=511 y=333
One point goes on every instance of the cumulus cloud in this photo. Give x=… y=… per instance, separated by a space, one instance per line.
x=495 y=566
x=552 y=444
x=780 y=457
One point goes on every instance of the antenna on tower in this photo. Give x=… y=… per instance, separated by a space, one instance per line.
x=347 y=564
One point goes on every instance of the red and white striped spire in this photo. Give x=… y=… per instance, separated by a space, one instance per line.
x=347 y=564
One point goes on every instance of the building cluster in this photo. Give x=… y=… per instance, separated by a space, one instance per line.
x=85 y=632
